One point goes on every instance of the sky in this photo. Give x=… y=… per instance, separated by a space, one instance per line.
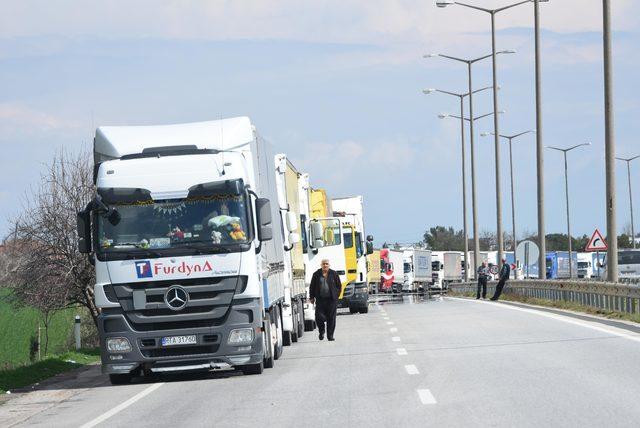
x=337 y=86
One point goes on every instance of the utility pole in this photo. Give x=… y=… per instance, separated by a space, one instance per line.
x=609 y=147
x=542 y=273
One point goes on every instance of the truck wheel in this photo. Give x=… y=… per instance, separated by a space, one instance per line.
x=300 y=319
x=252 y=369
x=287 y=338
x=353 y=310
x=364 y=310
x=121 y=379
x=296 y=320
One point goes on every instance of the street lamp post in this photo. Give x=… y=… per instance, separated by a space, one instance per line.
x=461 y=97
x=609 y=146
x=566 y=190
x=633 y=231
x=496 y=131
x=510 y=138
x=474 y=210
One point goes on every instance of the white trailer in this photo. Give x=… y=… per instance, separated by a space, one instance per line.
x=185 y=234
x=287 y=178
x=452 y=261
x=417 y=270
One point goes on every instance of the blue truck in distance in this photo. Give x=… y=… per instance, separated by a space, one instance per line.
x=558 y=264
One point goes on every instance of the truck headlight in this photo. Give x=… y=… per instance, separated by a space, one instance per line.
x=118 y=345
x=241 y=336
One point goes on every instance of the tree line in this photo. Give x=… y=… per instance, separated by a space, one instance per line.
x=442 y=238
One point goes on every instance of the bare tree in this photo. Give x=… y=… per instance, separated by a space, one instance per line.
x=45 y=258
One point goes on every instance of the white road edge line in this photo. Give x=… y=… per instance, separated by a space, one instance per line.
x=426 y=397
x=393 y=330
x=401 y=351
x=411 y=369
x=395 y=339
x=562 y=318
x=122 y=406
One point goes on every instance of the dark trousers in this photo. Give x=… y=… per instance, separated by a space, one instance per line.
x=482 y=282
x=326 y=312
x=499 y=288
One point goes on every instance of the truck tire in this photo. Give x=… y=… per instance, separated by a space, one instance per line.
x=287 y=338
x=296 y=321
x=301 y=321
x=353 y=310
x=121 y=379
x=364 y=310
x=253 y=369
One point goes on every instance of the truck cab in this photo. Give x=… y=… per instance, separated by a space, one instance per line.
x=187 y=265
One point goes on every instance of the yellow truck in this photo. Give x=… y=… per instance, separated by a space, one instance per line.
x=373 y=270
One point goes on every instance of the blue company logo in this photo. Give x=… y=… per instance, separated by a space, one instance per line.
x=143 y=269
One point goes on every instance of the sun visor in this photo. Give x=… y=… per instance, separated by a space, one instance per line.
x=124 y=195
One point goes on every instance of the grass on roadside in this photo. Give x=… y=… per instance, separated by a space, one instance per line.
x=561 y=304
x=19 y=377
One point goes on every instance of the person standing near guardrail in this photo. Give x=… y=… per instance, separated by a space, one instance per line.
x=483 y=273
x=505 y=271
x=324 y=291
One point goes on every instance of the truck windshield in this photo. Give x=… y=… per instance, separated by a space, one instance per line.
x=629 y=257
x=435 y=266
x=584 y=265
x=407 y=267
x=217 y=220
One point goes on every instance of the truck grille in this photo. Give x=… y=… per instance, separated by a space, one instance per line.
x=208 y=304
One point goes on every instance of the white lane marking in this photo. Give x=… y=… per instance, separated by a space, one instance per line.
x=566 y=319
x=386 y=318
x=411 y=369
x=401 y=351
x=426 y=397
x=395 y=339
x=122 y=406
x=393 y=330
x=390 y=322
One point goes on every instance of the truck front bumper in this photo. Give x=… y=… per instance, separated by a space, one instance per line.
x=356 y=295
x=211 y=349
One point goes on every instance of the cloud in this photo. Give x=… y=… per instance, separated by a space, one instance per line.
x=339 y=21
x=14 y=117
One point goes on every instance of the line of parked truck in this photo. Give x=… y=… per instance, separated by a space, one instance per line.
x=204 y=243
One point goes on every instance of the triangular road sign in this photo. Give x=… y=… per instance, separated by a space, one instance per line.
x=597 y=242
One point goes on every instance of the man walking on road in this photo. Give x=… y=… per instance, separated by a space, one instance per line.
x=324 y=291
x=483 y=272
x=505 y=271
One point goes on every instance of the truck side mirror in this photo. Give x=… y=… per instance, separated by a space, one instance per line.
x=369 y=247
x=369 y=238
x=316 y=233
x=263 y=215
x=294 y=238
x=318 y=243
x=84 y=231
x=292 y=221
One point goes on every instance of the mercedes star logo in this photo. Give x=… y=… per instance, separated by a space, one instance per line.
x=176 y=298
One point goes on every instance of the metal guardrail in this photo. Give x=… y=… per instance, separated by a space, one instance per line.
x=599 y=295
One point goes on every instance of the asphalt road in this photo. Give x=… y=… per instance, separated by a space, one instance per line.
x=409 y=362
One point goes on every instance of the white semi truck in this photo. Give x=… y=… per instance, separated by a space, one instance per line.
x=287 y=177
x=187 y=241
x=356 y=292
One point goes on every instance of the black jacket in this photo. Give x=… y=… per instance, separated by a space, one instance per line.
x=505 y=271
x=333 y=280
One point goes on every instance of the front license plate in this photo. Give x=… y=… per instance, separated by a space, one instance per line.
x=179 y=340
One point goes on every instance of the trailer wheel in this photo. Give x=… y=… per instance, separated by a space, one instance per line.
x=268 y=344
x=278 y=345
x=300 y=319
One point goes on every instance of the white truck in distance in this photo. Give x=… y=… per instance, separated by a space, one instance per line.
x=189 y=268
x=417 y=270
